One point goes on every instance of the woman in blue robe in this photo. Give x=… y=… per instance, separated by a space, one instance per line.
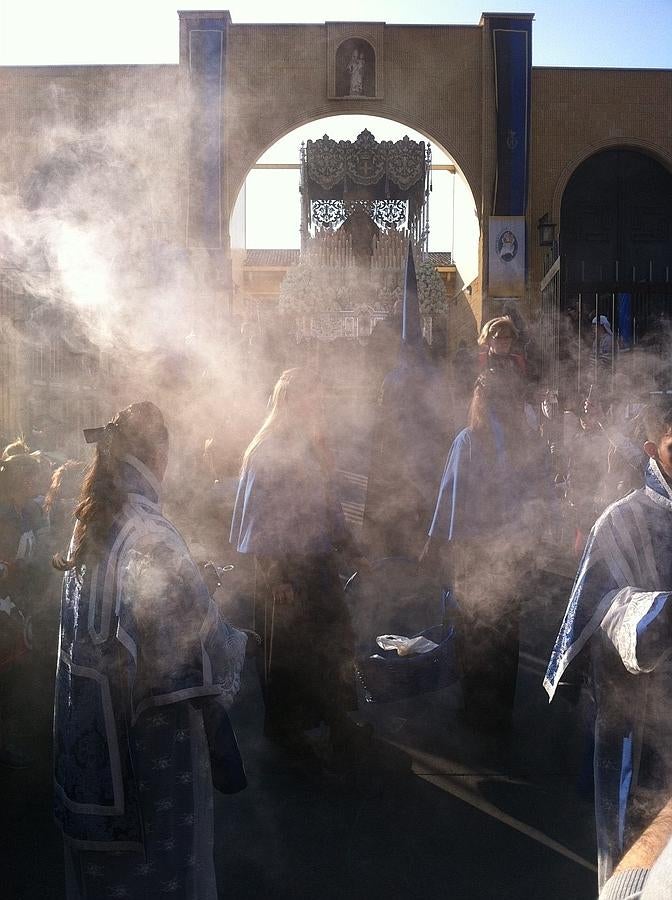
x=145 y=664
x=620 y=614
x=488 y=508
x=286 y=514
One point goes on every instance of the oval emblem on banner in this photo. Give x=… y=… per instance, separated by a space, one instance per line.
x=507 y=245
x=511 y=139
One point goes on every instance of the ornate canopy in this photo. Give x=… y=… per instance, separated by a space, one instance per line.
x=389 y=179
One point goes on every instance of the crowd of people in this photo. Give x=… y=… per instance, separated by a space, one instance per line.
x=146 y=665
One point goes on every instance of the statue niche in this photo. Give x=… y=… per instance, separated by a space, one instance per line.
x=355 y=69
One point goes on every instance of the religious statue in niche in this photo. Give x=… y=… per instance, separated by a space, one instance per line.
x=355 y=69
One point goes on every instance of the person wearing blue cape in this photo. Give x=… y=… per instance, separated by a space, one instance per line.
x=286 y=515
x=146 y=669
x=494 y=488
x=619 y=619
x=414 y=422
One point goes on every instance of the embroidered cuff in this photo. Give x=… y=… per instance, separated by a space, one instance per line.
x=625 y=885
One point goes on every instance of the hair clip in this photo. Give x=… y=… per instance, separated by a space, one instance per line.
x=93 y=435
x=96 y=435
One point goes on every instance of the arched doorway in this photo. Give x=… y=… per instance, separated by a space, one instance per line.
x=355 y=344
x=615 y=262
x=616 y=220
x=266 y=219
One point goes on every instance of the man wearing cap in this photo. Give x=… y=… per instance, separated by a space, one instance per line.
x=603 y=343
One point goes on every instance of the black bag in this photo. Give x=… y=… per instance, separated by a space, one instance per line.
x=226 y=764
x=390 y=598
x=385 y=676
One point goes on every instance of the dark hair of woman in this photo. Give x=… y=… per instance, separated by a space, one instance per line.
x=493 y=395
x=139 y=431
x=18 y=470
x=65 y=484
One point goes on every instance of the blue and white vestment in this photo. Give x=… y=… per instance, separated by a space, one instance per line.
x=287 y=516
x=620 y=606
x=487 y=513
x=140 y=636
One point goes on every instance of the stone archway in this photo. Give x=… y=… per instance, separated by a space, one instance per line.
x=258 y=271
x=644 y=147
x=615 y=262
x=246 y=163
x=616 y=220
x=466 y=86
x=279 y=78
x=454 y=228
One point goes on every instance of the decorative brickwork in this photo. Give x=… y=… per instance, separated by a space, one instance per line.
x=438 y=80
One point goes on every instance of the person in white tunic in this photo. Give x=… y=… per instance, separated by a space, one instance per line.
x=620 y=610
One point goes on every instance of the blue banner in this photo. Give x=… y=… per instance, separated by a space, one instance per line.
x=206 y=70
x=512 y=50
x=624 y=328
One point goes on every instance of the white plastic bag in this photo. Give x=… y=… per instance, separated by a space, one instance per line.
x=405 y=646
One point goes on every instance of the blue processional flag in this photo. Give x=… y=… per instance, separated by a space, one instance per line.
x=625 y=329
x=411 y=323
x=207 y=74
x=512 y=57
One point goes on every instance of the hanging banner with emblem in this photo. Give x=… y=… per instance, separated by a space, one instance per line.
x=512 y=49
x=506 y=256
x=207 y=65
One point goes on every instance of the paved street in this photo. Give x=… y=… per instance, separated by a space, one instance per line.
x=435 y=811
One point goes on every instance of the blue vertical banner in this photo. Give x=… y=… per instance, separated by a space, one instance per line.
x=512 y=51
x=206 y=55
x=624 y=328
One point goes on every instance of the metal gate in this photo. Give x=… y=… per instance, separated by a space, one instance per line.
x=639 y=315
x=550 y=328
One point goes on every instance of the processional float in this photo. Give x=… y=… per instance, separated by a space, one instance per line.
x=361 y=202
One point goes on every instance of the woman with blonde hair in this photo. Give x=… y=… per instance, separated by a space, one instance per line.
x=496 y=344
x=287 y=516
x=18 y=447
x=146 y=668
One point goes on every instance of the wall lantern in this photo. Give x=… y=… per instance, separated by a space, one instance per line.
x=546 y=231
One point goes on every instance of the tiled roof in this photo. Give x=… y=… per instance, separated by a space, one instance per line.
x=286 y=258
x=441 y=259
x=272 y=257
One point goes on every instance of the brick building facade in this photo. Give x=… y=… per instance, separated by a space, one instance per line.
x=190 y=132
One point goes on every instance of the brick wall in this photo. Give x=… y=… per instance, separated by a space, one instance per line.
x=577 y=112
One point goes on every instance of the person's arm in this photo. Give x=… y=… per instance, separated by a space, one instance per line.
x=178 y=646
x=648 y=847
x=627 y=449
x=639 y=625
x=454 y=503
x=652 y=850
